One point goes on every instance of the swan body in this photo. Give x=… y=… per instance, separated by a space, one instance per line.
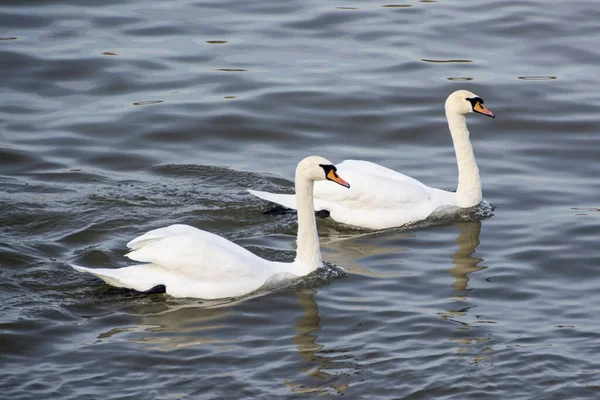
x=191 y=262
x=383 y=198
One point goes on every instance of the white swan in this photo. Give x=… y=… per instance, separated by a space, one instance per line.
x=382 y=198
x=191 y=262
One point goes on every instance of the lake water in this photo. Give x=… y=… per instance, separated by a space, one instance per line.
x=117 y=117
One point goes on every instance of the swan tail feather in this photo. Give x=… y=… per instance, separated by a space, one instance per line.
x=138 y=277
x=285 y=200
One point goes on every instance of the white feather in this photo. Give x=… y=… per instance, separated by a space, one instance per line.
x=191 y=262
x=382 y=198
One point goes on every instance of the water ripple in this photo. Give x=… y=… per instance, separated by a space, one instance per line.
x=120 y=117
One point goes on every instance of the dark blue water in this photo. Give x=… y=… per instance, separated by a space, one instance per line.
x=120 y=117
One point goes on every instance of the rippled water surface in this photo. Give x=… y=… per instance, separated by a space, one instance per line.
x=120 y=117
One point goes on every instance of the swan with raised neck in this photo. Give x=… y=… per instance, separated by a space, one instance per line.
x=310 y=170
x=458 y=104
x=382 y=198
x=191 y=262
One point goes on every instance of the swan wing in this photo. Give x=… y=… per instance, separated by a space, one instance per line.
x=197 y=255
x=189 y=262
x=368 y=167
x=372 y=186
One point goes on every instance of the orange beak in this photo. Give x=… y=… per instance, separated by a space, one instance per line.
x=479 y=108
x=332 y=176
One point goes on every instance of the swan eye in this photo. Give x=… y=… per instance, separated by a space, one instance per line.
x=327 y=168
x=474 y=101
x=330 y=170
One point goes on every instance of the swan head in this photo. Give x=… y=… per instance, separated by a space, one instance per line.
x=317 y=168
x=464 y=102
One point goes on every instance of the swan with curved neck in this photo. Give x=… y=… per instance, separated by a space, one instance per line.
x=382 y=198
x=191 y=262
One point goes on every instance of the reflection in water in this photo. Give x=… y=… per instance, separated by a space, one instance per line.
x=345 y=250
x=453 y=315
x=471 y=347
x=464 y=263
x=176 y=328
x=466 y=346
x=167 y=327
x=306 y=342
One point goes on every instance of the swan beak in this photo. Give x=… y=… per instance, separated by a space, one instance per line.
x=479 y=108
x=332 y=176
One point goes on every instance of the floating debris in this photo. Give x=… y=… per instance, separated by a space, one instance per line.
x=145 y=103
x=537 y=78
x=446 y=61
x=232 y=69
x=460 y=78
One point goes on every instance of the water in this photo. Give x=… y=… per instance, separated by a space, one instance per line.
x=120 y=117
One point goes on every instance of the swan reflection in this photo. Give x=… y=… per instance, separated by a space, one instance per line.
x=348 y=249
x=312 y=353
x=463 y=264
x=473 y=347
x=463 y=260
x=177 y=324
x=180 y=327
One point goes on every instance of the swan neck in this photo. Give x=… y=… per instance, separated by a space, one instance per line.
x=308 y=252
x=468 y=192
